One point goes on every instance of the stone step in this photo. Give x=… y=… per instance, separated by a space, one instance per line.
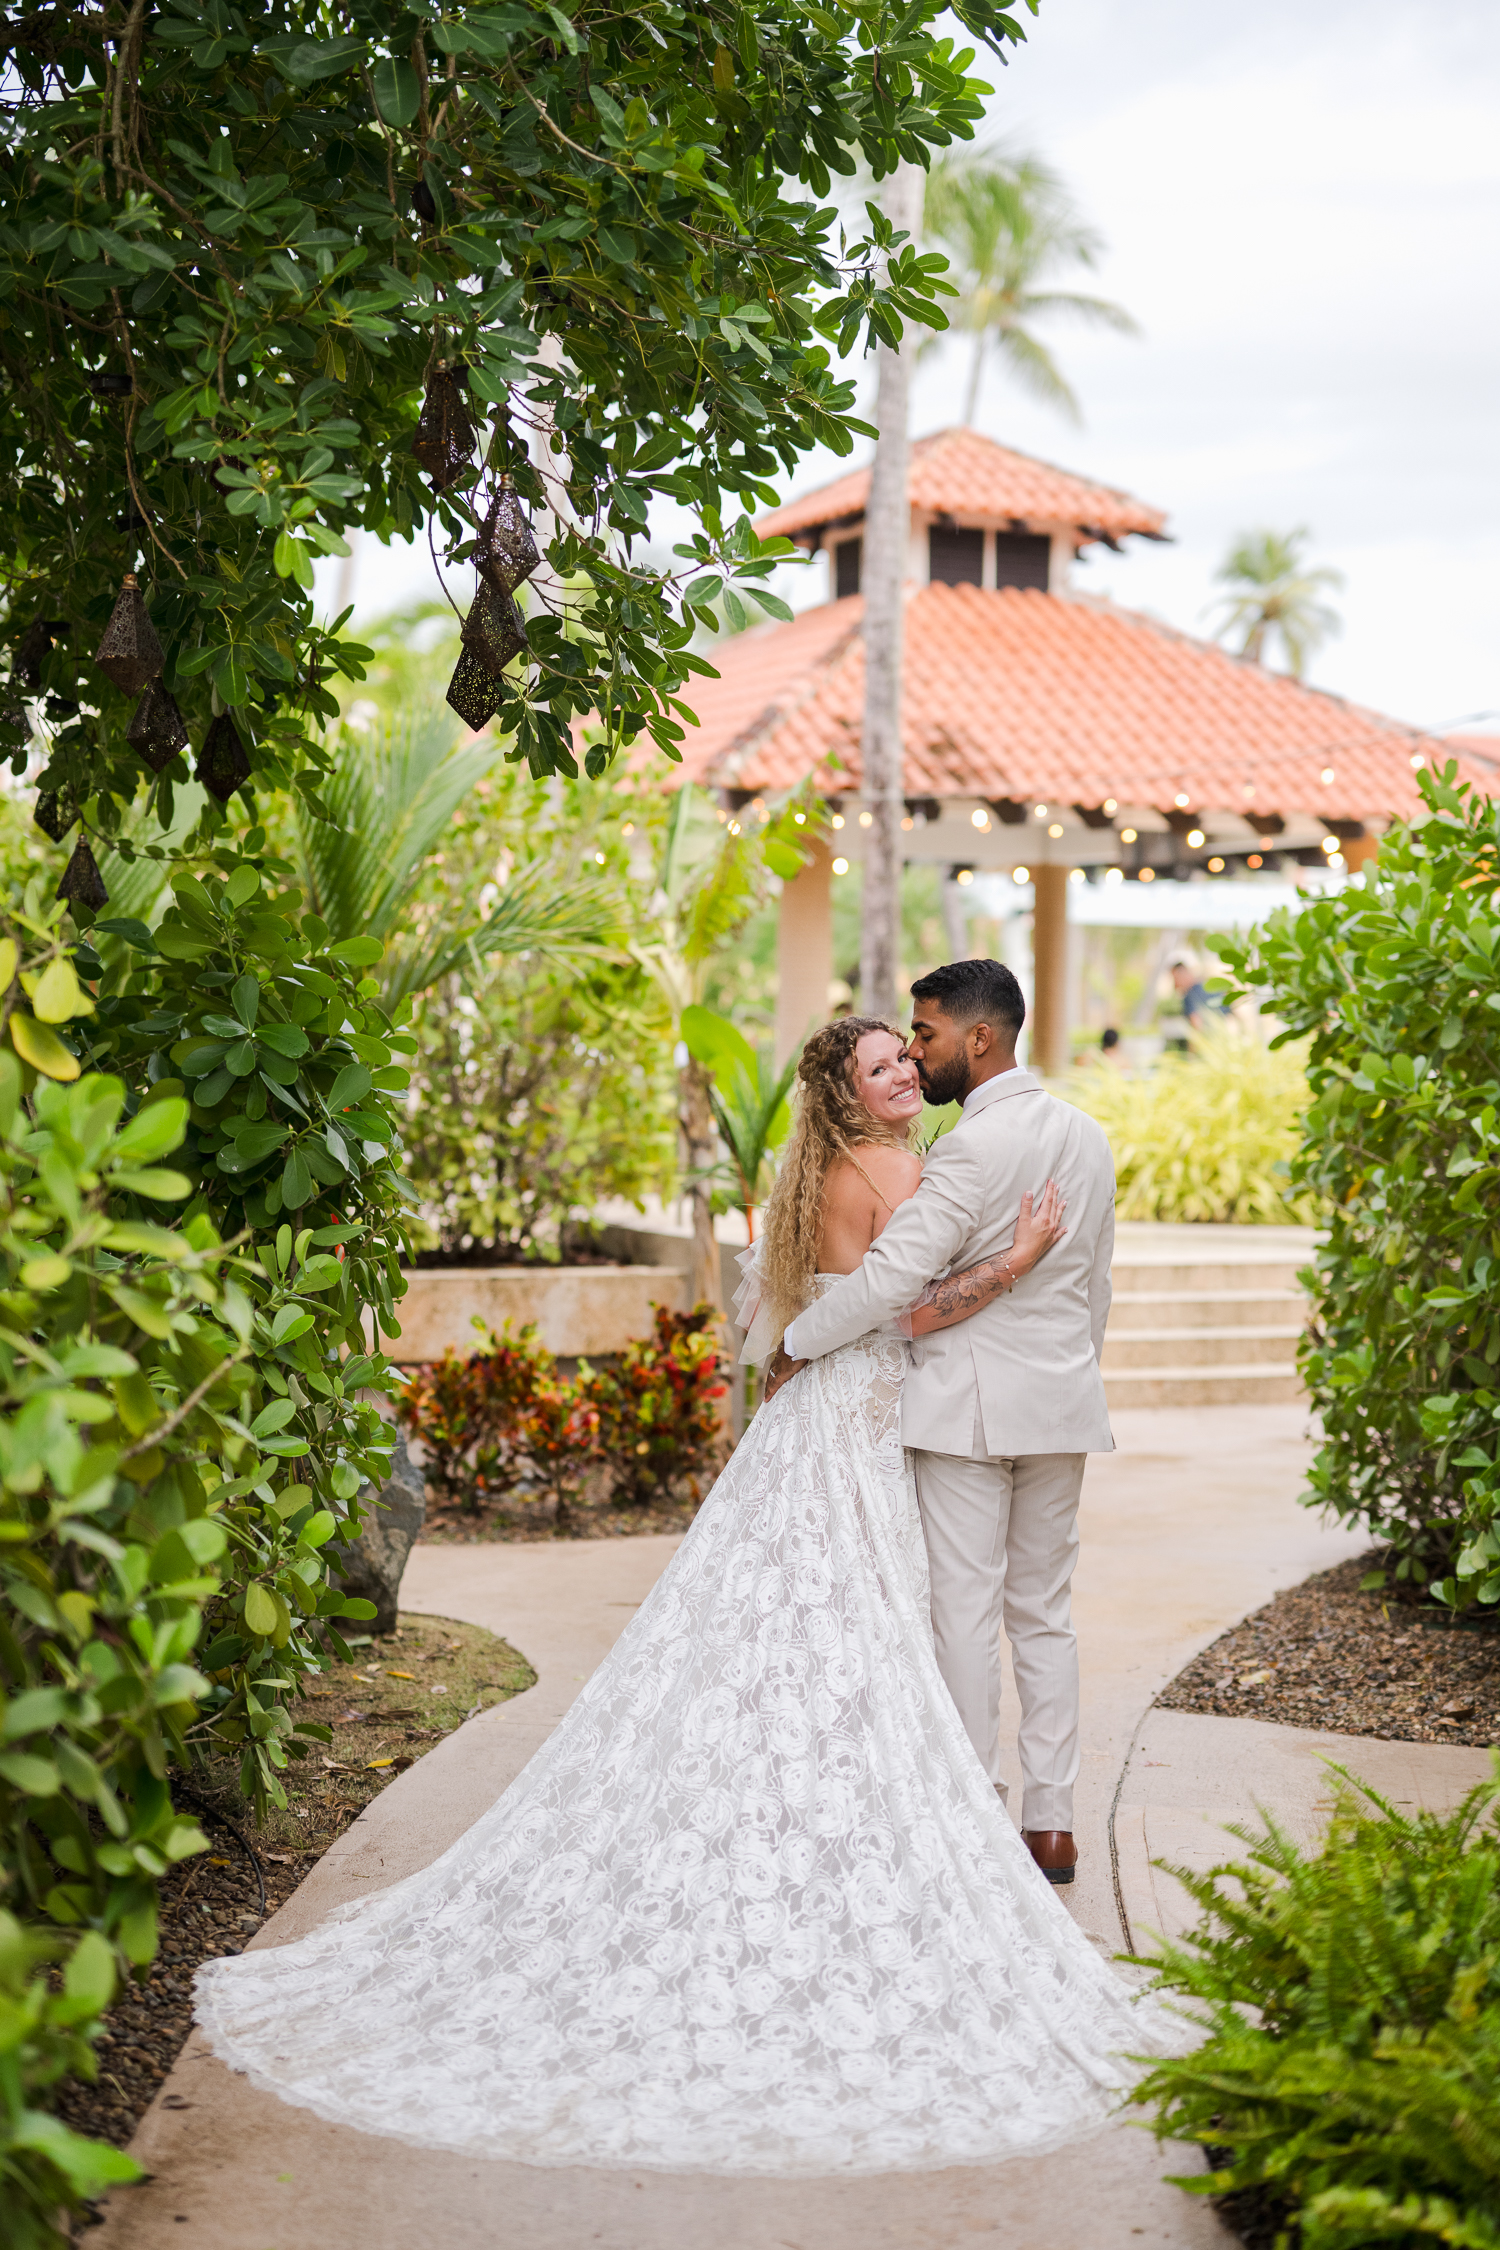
x=1207 y=1308
x=1264 y=1385
x=1244 y=1345
x=1174 y=1276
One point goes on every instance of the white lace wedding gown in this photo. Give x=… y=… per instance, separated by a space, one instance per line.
x=753 y=1908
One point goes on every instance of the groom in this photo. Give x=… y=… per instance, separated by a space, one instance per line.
x=1000 y=1410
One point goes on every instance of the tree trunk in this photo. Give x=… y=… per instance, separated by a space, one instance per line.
x=696 y=1116
x=883 y=584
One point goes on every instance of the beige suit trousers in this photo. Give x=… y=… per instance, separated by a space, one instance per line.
x=1002 y=1540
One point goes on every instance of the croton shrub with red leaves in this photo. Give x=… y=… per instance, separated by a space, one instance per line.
x=503 y=1419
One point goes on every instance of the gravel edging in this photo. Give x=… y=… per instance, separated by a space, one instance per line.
x=1327 y=1654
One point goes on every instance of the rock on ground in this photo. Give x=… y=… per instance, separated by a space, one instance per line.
x=394 y=1515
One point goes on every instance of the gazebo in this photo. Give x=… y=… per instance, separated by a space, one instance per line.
x=1047 y=731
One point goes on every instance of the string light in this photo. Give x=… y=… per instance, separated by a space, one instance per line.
x=1182 y=800
x=1255 y=860
x=1056 y=828
x=1147 y=875
x=979 y=819
x=841 y=867
x=1021 y=874
x=1195 y=838
x=1216 y=866
x=1111 y=805
x=838 y=820
x=866 y=819
x=1127 y=835
x=966 y=874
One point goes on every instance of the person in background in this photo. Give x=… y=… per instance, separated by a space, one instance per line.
x=1196 y=1005
x=1110 y=1050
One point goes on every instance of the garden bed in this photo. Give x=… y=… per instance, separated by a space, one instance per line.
x=1325 y=1654
x=212 y=1904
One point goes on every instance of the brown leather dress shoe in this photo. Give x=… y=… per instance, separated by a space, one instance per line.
x=1054 y=1851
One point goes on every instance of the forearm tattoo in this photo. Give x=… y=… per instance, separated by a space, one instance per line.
x=964 y=1293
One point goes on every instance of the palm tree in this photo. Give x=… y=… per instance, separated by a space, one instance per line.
x=1007 y=222
x=1273 y=590
x=393 y=796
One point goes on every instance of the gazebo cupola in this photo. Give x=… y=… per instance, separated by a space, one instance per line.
x=981 y=515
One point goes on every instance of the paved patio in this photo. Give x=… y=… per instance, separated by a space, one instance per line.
x=1192 y=1523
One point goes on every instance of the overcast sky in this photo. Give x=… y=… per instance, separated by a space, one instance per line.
x=1302 y=205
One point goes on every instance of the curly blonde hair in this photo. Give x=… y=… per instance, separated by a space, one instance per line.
x=832 y=1122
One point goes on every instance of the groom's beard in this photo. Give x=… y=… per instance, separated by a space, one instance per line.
x=946 y=1083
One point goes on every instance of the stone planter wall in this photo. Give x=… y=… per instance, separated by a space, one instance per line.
x=579 y=1311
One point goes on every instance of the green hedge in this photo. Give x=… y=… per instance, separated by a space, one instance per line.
x=184 y=1425
x=1396 y=985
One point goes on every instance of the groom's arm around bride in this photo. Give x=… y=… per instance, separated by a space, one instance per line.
x=1001 y=1409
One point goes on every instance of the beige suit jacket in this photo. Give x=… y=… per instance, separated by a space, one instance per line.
x=1022 y=1376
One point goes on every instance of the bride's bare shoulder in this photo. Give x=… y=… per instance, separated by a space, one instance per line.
x=894 y=1171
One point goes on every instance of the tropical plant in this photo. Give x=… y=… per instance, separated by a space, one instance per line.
x=1208 y=1135
x=537 y=1093
x=503 y=1420
x=1351 y=2003
x=393 y=796
x=1272 y=589
x=749 y=1097
x=711 y=877
x=169 y=1495
x=477 y=1413
x=1394 y=983
x=240 y=239
x=1008 y=223
x=653 y=1414
x=48 y=2025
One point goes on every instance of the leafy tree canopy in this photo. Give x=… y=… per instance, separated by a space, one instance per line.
x=238 y=241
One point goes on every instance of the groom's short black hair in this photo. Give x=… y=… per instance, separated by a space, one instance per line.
x=975 y=992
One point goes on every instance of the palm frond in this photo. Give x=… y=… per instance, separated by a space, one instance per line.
x=530 y=917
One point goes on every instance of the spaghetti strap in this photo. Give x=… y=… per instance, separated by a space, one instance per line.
x=869 y=1183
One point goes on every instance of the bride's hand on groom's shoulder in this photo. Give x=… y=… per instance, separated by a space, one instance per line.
x=779 y=1372
x=1038 y=1229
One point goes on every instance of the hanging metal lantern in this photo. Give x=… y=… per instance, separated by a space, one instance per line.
x=424 y=203
x=157 y=729
x=444 y=443
x=34 y=645
x=494 y=629
x=506 y=550
x=82 y=884
x=111 y=382
x=222 y=765
x=130 y=653
x=56 y=811
x=474 y=691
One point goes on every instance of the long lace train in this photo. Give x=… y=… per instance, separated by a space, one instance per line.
x=753 y=1908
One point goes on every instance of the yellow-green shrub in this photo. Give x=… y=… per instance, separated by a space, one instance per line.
x=1207 y=1135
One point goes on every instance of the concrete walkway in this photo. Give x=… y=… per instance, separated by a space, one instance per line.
x=1189 y=1526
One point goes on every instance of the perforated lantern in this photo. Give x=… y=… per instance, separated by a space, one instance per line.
x=56 y=811
x=157 y=728
x=34 y=645
x=494 y=629
x=82 y=884
x=474 y=691
x=444 y=443
x=130 y=653
x=506 y=550
x=222 y=765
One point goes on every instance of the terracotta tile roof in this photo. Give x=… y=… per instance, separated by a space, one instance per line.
x=1022 y=694
x=960 y=473
x=1482 y=750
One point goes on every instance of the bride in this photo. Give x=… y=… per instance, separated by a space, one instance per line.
x=754 y=1907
